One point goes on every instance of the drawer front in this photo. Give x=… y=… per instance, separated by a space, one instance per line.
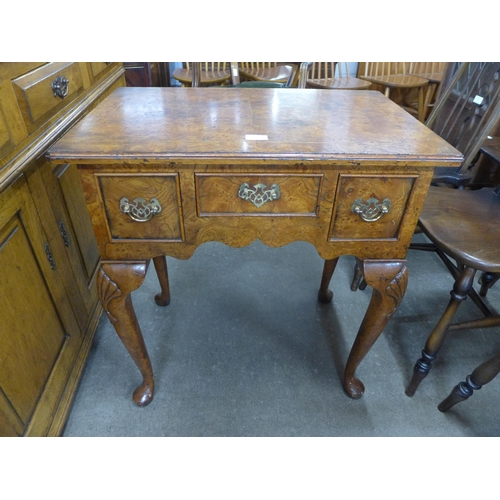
x=369 y=208
x=142 y=207
x=46 y=90
x=257 y=195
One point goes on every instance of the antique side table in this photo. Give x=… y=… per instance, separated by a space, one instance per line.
x=166 y=169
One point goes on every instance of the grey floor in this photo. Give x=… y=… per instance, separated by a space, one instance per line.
x=245 y=349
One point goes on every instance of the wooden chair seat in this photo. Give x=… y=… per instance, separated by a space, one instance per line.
x=434 y=77
x=209 y=77
x=398 y=81
x=279 y=74
x=333 y=75
x=344 y=83
x=465 y=224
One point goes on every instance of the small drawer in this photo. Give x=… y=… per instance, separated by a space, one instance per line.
x=41 y=93
x=142 y=207
x=370 y=208
x=257 y=195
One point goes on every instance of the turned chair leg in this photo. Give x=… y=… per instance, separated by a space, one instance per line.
x=162 y=298
x=461 y=288
x=487 y=280
x=483 y=374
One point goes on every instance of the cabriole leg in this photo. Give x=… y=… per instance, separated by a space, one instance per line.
x=389 y=280
x=115 y=282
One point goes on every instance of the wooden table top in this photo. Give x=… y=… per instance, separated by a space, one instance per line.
x=138 y=124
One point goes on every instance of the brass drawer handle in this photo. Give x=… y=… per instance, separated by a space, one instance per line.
x=139 y=209
x=371 y=209
x=258 y=194
x=60 y=86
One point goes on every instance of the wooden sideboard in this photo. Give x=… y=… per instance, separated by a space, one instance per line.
x=48 y=253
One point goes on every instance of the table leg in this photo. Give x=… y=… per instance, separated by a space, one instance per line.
x=115 y=282
x=388 y=280
x=162 y=298
x=324 y=294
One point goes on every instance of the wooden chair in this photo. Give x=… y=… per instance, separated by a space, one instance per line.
x=464 y=225
x=431 y=71
x=481 y=375
x=297 y=78
x=334 y=75
x=212 y=73
x=394 y=75
x=465 y=115
x=267 y=71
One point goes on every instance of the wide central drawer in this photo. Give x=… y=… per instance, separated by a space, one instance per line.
x=257 y=194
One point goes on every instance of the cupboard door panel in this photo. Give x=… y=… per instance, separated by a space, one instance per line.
x=39 y=336
x=31 y=338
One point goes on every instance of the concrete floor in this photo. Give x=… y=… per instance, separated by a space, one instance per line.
x=245 y=349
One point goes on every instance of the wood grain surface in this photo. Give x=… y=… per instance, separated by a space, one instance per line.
x=141 y=124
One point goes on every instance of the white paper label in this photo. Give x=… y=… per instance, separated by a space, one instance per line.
x=478 y=100
x=256 y=137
